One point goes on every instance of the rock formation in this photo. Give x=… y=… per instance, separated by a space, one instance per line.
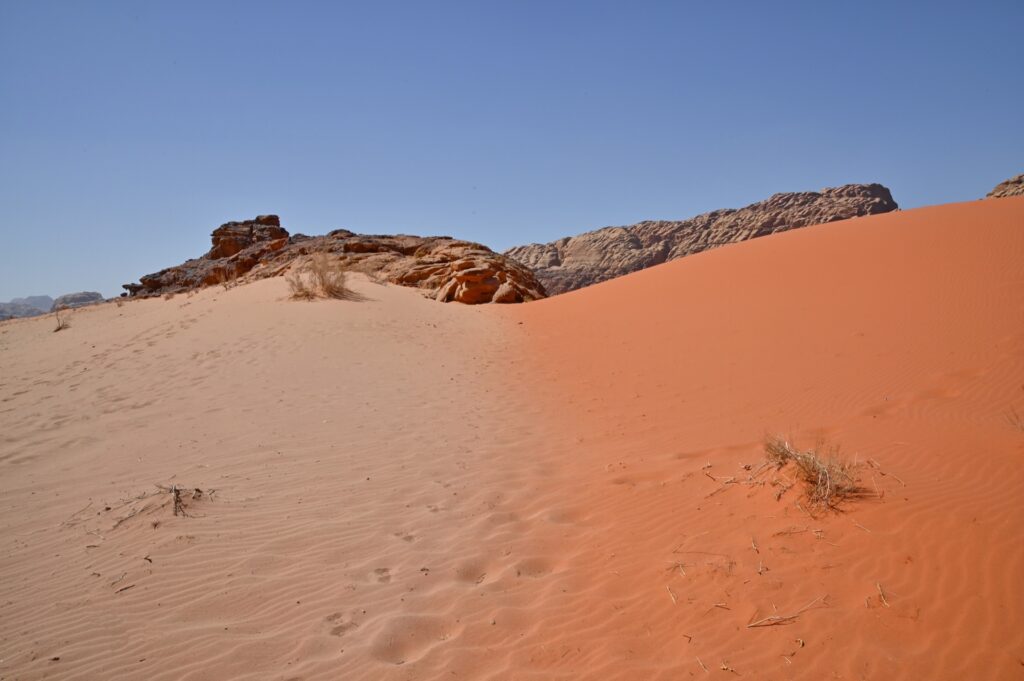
x=1012 y=187
x=446 y=269
x=574 y=262
x=79 y=299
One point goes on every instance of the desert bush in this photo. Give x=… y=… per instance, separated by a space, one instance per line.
x=322 y=278
x=61 y=317
x=1014 y=418
x=828 y=478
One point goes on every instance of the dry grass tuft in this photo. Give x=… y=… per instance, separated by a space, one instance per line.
x=829 y=479
x=61 y=315
x=323 y=278
x=1015 y=420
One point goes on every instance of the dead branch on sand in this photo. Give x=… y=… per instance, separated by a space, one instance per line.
x=773 y=620
x=180 y=494
x=881 y=594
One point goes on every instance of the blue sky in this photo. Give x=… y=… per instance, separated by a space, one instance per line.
x=128 y=130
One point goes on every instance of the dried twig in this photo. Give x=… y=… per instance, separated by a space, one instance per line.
x=702 y=666
x=790 y=530
x=671 y=595
x=773 y=620
x=72 y=516
x=881 y=594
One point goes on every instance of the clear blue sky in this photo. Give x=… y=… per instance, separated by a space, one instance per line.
x=129 y=130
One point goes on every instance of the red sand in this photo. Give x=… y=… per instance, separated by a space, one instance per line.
x=407 y=490
x=899 y=337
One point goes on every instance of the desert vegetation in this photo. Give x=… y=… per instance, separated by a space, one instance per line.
x=323 y=277
x=60 y=315
x=828 y=477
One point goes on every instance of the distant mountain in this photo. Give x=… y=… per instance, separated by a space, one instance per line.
x=79 y=299
x=577 y=261
x=31 y=306
x=43 y=303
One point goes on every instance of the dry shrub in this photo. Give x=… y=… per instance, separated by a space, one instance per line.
x=61 y=316
x=323 y=278
x=828 y=478
x=1015 y=420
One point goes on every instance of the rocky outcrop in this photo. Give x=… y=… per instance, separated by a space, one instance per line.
x=446 y=269
x=574 y=262
x=1012 y=187
x=235 y=237
x=79 y=299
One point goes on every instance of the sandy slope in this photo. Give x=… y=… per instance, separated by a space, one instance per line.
x=409 y=490
x=899 y=337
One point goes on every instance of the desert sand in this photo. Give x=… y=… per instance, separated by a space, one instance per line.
x=394 y=488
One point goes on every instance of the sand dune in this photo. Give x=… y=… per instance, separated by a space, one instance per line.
x=410 y=490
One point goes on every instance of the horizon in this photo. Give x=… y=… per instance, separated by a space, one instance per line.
x=499 y=125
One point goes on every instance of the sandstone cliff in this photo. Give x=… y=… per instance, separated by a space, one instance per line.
x=446 y=269
x=574 y=262
x=1012 y=187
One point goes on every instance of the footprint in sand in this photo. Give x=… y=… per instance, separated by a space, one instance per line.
x=472 y=572
x=383 y=575
x=339 y=626
x=533 y=567
x=410 y=637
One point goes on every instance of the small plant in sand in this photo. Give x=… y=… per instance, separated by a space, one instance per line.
x=828 y=478
x=1014 y=418
x=61 y=316
x=224 y=278
x=324 y=277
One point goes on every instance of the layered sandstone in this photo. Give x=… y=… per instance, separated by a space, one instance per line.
x=446 y=269
x=574 y=262
x=1012 y=187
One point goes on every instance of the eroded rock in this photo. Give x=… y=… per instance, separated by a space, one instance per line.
x=1012 y=187
x=446 y=269
x=574 y=262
